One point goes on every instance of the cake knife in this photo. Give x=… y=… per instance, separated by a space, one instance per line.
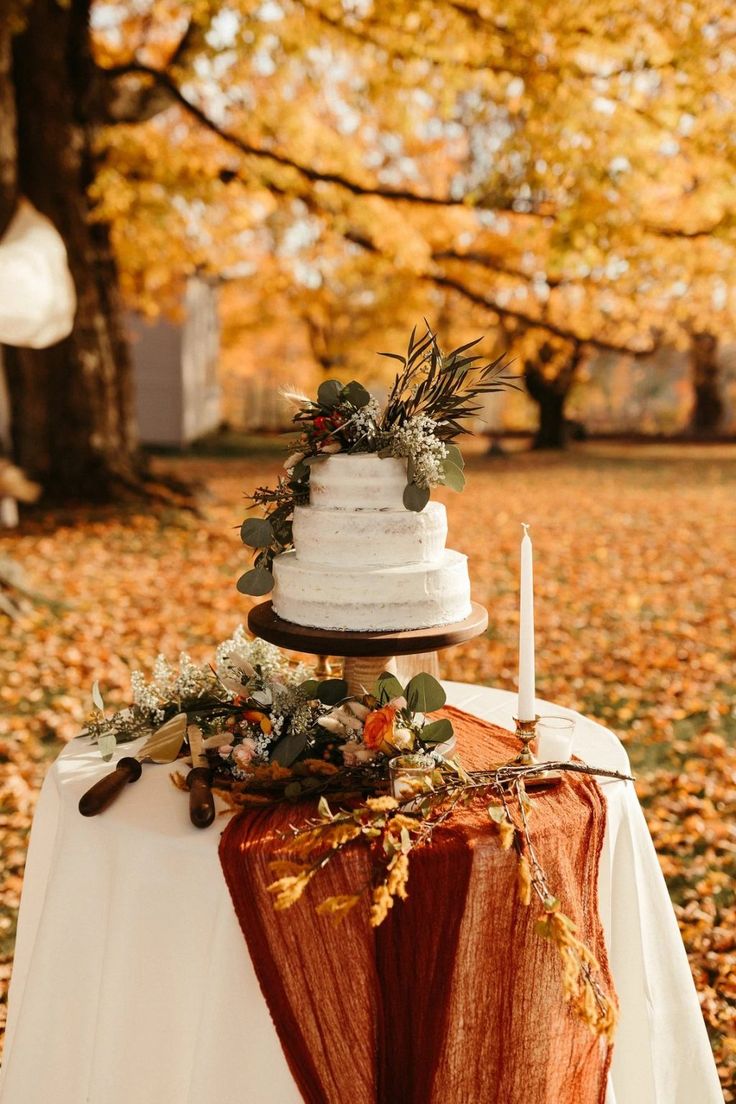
x=162 y=746
x=199 y=781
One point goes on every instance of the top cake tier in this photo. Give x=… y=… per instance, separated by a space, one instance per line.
x=360 y=482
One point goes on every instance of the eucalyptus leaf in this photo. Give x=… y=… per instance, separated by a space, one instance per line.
x=257 y=581
x=256 y=532
x=454 y=455
x=329 y=393
x=309 y=688
x=388 y=687
x=293 y=790
x=356 y=394
x=454 y=478
x=331 y=691
x=424 y=694
x=106 y=745
x=415 y=498
x=288 y=750
x=97 y=697
x=437 y=732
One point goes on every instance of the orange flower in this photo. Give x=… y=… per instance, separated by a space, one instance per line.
x=254 y=716
x=378 y=726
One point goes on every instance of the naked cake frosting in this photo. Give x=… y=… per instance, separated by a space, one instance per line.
x=361 y=561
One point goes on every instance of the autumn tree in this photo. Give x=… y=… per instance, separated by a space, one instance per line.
x=558 y=174
x=71 y=404
x=566 y=175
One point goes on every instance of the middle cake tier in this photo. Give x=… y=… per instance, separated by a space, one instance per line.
x=368 y=538
x=372 y=599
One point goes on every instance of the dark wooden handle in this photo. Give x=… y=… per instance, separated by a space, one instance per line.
x=201 y=801
x=104 y=792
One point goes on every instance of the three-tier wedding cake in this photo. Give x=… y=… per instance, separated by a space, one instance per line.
x=350 y=540
x=361 y=561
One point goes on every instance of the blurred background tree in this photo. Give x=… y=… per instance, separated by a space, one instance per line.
x=561 y=177
x=71 y=405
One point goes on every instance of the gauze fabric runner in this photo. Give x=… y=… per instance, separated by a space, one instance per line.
x=454 y=999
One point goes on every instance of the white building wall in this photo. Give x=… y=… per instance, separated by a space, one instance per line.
x=175 y=368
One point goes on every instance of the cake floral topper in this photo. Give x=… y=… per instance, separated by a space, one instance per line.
x=429 y=404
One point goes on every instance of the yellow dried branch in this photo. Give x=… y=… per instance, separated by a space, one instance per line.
x=339 y=906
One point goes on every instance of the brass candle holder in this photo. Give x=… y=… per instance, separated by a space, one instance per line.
x=527 y=733
x=323 y=670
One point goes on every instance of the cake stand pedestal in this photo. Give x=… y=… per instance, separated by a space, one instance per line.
x=367 y=654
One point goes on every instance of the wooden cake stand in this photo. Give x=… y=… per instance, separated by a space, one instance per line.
x=366 y=654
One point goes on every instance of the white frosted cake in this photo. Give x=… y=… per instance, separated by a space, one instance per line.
x=361 y=561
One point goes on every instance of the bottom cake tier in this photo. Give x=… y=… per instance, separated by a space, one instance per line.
x=372 y=599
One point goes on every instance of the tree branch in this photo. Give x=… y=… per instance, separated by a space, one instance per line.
x=531 y=323
x=485 y=260
x=508 y=313
x=688 y=235
x=361 y=33
x=314 y=176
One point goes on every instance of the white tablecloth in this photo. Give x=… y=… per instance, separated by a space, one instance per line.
x=133 y=985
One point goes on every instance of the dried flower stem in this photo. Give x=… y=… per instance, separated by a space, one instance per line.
x=395 y=829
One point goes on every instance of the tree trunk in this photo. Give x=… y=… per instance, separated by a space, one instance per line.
x=551 y=432
x=8 y=169
x=550 y=393
x=72 y=404
x=707 y=410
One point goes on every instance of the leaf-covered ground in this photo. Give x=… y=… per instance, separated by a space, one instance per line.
x=635 y=562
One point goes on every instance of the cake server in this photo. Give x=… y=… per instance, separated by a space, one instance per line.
x=162 y=746
x=199 y=780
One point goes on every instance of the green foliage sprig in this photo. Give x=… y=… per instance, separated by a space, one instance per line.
x=272 y=534
x=443 y=386
x=255 y=709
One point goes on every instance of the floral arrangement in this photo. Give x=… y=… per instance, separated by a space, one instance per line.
x=432 y=396
x=256 y=710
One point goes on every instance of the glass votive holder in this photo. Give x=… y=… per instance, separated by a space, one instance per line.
x=554 y=739
x=408 y=775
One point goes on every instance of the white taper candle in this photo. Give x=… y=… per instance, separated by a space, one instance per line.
x=526 y=710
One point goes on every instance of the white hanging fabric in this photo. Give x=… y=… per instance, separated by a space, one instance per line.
x=37 y=305
x=37 y=298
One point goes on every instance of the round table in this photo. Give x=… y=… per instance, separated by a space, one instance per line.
x=132 y=982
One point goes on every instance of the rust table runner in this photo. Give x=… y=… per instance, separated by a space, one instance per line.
x=454 y=999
